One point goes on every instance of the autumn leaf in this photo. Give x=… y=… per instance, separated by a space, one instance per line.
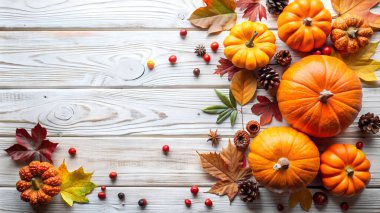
x=28 y=148
x=266 y=109
x=243 y=87
x=252 y=8
x=226 y=66
x=75 y=185
x=361 y=62
x=358 y=7
x=217 y=15
x=303 y=197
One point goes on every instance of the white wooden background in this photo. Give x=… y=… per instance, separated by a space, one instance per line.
x=65 y=64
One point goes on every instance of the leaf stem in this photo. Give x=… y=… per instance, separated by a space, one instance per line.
x=242 y=119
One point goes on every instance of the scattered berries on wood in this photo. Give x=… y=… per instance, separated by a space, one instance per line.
x=280 y=207
x=207 y=58
x=196 y=72
x=143 y=202
x=283 y=57
x=359 y=144
x=102 y=195
x=326 y=50
x=320 y=198
x=103 y=188
x=72 y=151
x=121 y=196
x=113 y=175
x=344 y=206
x=369 y=123
x=253 y=127
x=214 y=46
x=242 y=140
x=194 y=190
x=200 y=50
x=183 y=33
x=214 y=137
x=165 y=148
x=150 y=64
x=317 y=52
x=188 y=202
x=173 y=59
x=208 y=202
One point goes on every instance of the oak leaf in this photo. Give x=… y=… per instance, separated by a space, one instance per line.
x=252 y=8
x=29 y=147
x=75 y=185
x=361 y=62
x=243 y=87
x=266 y=109
x=303 y=197
x=359 y=7
x=217 y=15
x=226 y=66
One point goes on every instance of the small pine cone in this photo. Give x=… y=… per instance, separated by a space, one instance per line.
x=248 y=190
x=241 y=140
x=268 y=77
x=283 y=57
x=369 y=123
x=253 y=127
x=200 y=50
x=276 y=7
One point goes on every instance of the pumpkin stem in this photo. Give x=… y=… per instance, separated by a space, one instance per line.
x=282 y=163
x=325 y=95
x=250 y=42
x=35 y=184
x=349 y=171
x=308 y=21
x=352 y=31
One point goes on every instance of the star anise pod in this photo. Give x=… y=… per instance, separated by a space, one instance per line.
x=200 y=50
x=214 y=137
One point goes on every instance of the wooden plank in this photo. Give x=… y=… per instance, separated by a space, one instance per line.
x=170 y=200
x=72 y=59
x=137 y=112
x=140 y=161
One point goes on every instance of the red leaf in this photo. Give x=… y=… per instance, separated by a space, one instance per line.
x=266 y=109
x=252 y=8
x=226 y=66
x=32 y=147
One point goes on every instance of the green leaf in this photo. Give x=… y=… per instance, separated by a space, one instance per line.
x=233 y=117
x=214 y=109
x=224 y=99
x=224 y=115
x=232 y=99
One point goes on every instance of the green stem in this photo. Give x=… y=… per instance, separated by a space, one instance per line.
x=352 y=31
x=35 y=184
x=250 y=42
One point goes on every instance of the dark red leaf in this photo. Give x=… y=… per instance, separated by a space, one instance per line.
x=33 y=147
x=266 y=109
x=226 y=66
x=265 y=118
x=252 y=8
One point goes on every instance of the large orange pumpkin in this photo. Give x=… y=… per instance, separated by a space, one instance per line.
x=344 y=169
x=283 y=159
x=320 y=96
x=304 y=25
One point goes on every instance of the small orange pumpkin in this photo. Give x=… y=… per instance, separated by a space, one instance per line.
x=304 y=25
x=320 y=96
x=344 y=169
x=283 y=159
x=40 y=181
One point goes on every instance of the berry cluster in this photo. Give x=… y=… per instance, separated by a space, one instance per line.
x=326 y=50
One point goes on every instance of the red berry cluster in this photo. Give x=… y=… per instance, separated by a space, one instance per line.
x=326 y=50
x=194 y=190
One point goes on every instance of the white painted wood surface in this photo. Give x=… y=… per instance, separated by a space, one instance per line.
x=67 y=64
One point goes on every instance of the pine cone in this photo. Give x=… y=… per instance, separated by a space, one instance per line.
x=276 y=7
x=200 y=50
x=268 y=77
x=283 y=57
x=241 y=140
x=248 y=190
x=369 y=123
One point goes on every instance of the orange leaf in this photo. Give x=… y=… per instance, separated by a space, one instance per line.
x=303 y=197
x=233 y=157
x=360 y=8
x=213 y=164
x=228 y=188
x=243 y=87
x=218 y=15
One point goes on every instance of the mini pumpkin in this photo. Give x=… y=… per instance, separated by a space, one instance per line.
x=344 y=169
x=40 y=181
x=250 y=45
x=304 y=25
x=320 y=96
x=350 y=33
x=283 y=159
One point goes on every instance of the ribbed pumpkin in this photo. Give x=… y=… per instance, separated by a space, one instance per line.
x=320 y=96
x=250 y=45
x=283 y=159
x=344 y=169
x=304 y=25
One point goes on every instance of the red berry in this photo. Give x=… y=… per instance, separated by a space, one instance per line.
x=188 y=202
x=207 y=58
x=113 y=175
x=280 y=207
x=320 y=198
x=165 y=148
x=194 y=190
x=183 y=32
x=344 y=206
x=208 y=202
x=72 y=151
x=143 y=202
x=214 y=46
x=317 y=52
x=326 y=50
x=359 y=144
x=173 y=59
x=103 y=188
x=102 y=195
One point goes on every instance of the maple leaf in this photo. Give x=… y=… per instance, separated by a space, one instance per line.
x=226 y=66
x=266 y=109
x=75 y=185
x=359 y=7
x=361 y=62
x=303 y=197
x=227 y=167
x=218 y=15
x=252 y=8
x=32 y=147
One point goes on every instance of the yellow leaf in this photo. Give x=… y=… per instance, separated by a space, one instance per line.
x=303 y=197
x=75 y=185
x=243 y=87
x=361 y=62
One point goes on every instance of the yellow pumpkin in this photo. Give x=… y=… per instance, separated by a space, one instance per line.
x=250 y=45
x=283 y=159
